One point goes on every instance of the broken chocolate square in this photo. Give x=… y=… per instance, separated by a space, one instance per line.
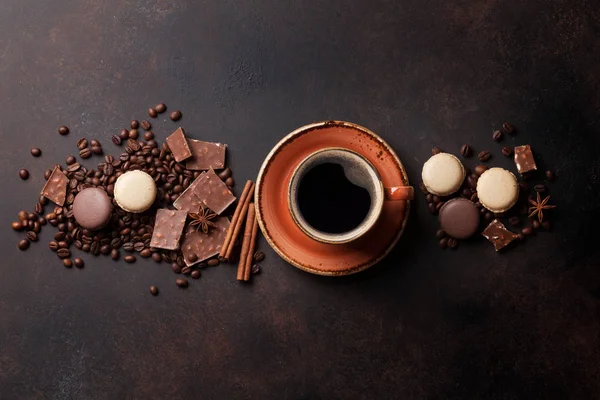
x=206 y=155
x=524 y=159
x=207 y=189
x=204 y=245
x=497 y=233
x=179 y=145
x=55 y=188
x=168 y=228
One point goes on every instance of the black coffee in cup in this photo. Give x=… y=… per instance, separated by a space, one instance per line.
x=329 y=202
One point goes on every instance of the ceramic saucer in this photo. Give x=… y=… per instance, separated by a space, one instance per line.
x=283 y=234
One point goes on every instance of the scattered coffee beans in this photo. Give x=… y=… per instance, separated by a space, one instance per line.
x=17 y=225
x=497 y=136
x=255 y=269
x=435 y=150
x=507 y=151
x=134 y=124
x=484 y=156
x=160 y=108
x=146 y=126
x=153 y=290
x=452 y=243
x=213 y=263
x=259 y=256
x=550 y=176
x=514 y=221
x=465 y=150
x=129 y=258
x=36 y=152
x=63 y=130
x=23 y=244
x=70 y=160
x=85 y=153
x=82 y=143
x=527 y=231
x=78 y=263
x=182 y=283
x=152 y=113
x=24 y=174
x=508 y=127
x=195 y=274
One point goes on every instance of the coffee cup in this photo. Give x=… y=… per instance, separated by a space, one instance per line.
x=335 y=195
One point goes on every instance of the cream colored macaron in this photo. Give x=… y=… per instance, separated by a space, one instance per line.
x=443 y=174
x=497 y=189
x=135 y=191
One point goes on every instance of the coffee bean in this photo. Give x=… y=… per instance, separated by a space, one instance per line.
x=24 y=174
x=85 y=153
x=466 y=193
x=186 y=270
x=550 y=176
x=129 y=258
x=175 y=268
x=134 y=124
x=41 y=221
x=192 y=258
x=97 y=150
x=138 y=246
x=175 y=115
x=520 y=236
x=31 y=216
x=439 y=206
x=152 y=113
x=53 y=245
x=423 y=188
x=146 y=253
x=36 y=152
x=17 y=225
x=226 y=173
x=452 y=243
x=23 y=215
x=465 y=150
x=540 y=188
x=440 y=234
x=484 y=155
x=497 y=136
x=74 y=167
x=535 y=224
x=133 y=145
x=47 y=174
x=547 y=225
x=160 y=108
x=436 y=199
x=116 y=139
x=443 y=242
x=67 y=263
x=229 y=181
x=128 y=246
x=213 y=262
x=146 y=126
x=32 y=236
x=527 y=231
x=105 y=249
x=507 y=151
x=435 y=150
x=133 y=134
x=182 y=283
x=153 y=290
x=508 y=127
x=148 y=135
x=432 y=208
x=429 y=198
x=156 y=257
x=63 y=130
x=195 y=274
x=114 y=254
x=86 y=247
x=78 y=263
x=514 y=221
x=23 y=244
x=255 y=269
x=63 y=253
x=259 y=256
x=95 y=248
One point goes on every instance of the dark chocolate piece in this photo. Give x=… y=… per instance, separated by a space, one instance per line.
x=55 y=188
x=459 y=218
x=168 y=228
x=206 y=155
x=524 y=159
x=92 y=208
x=497 y=233
x=199 y=246
x=179 y=145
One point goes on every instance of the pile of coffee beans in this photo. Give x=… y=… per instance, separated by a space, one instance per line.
x=516 y=217
x=127 y=233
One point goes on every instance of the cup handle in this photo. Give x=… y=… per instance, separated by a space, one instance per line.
x=399 y=193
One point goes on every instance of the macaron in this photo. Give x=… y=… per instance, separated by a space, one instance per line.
x=497 y=189
x=135 y=191
x=92 y=208
x=459 y=218
x=443 y=174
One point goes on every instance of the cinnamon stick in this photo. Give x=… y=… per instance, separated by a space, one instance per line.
x=250 y=256
x=237 y=220
x=246 y=242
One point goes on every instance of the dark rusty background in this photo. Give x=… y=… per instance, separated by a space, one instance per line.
x=424 y=324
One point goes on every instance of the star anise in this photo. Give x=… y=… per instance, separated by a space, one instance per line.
x=539 y=206
x=203 y=219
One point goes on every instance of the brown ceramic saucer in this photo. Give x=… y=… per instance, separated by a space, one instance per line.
x=275 y=219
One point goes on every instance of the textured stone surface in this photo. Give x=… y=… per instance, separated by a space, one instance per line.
x=424 y=324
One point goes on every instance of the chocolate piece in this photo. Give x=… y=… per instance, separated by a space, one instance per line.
x=168 y=228
x=524 y=159
x=199 y=246
x=497 y=233
x=206 y=155
x=92 y=208
x=55 y=188
x=459 y=218
x=207 y=189
x=179 y=145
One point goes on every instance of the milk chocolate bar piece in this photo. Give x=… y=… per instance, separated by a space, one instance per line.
x=168 y=228
x=206 y=155
x=524 y=159
x=497 y=233
x=214 y=193
x=204 y=245
x=55 y=188
x=179 y=145
x=188 y=200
